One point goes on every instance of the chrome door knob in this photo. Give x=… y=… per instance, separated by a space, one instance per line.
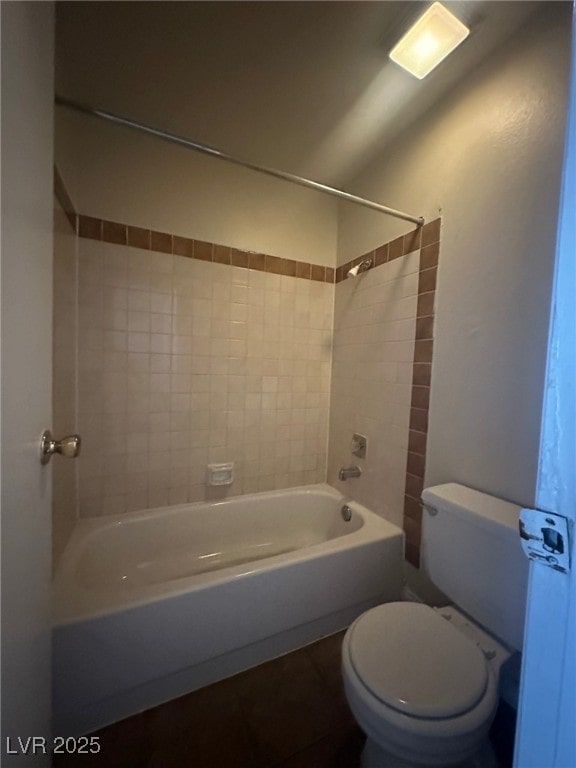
x=68 y=446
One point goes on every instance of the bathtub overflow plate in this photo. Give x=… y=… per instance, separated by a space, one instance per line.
x=346 y=513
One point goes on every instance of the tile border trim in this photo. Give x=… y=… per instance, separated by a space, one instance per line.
x=118 y=233
x=400 y=246
x=420 y=396
x=164 y=242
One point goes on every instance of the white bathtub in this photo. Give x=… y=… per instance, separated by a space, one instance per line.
x=150 y=605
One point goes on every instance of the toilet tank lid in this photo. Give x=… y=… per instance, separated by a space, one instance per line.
x=465 y=502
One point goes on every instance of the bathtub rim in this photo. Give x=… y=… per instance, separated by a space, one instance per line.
x=69 y=597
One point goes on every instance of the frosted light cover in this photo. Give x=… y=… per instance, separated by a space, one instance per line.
x=436 y=34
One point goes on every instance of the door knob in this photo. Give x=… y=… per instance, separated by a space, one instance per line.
x=69 y=446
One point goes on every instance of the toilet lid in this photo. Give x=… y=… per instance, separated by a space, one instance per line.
x=414 y=661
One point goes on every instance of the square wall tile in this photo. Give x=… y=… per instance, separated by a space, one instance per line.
x=195 y=352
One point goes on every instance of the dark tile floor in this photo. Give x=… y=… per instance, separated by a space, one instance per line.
x=288 y=713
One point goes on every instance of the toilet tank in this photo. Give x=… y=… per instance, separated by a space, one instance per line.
x=471 y=550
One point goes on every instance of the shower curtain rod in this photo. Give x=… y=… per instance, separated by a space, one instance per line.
x=190 y=144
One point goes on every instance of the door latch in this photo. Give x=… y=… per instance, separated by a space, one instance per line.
x=545 y=538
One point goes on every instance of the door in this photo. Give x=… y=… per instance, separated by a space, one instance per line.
x=26 y=365
x=546 y=737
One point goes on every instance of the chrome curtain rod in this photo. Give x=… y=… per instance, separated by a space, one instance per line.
x=190 y=144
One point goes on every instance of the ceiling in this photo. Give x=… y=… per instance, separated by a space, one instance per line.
x=306 y=87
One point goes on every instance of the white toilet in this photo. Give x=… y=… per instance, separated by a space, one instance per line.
x=423 y=682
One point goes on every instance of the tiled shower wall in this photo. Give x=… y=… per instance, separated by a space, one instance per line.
x=189 y=353
x=375 y=320
x=382 y=360
x=185 y=362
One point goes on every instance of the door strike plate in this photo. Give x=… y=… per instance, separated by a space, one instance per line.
x=545 y=538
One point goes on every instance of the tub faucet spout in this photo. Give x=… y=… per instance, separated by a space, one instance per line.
x=347 y=472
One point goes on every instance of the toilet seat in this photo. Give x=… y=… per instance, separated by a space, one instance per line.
x=444 y=740
x=414 y=661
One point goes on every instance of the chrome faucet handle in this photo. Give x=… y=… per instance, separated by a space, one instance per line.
x=68 y=446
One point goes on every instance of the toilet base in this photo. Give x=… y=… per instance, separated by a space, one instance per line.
x=374 y=756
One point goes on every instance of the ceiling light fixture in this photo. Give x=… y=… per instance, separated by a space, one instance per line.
x=436 y=34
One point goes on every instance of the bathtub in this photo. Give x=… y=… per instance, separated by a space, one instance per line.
x=151 y=605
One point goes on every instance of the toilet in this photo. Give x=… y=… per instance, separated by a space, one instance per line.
x=422 y=682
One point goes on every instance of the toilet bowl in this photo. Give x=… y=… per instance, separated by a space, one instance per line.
x=423 y=682
x=421 y=690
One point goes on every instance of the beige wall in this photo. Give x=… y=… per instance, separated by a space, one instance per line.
x=64 y=378
x=488 y=160
x=184 y=363
x=117 y=174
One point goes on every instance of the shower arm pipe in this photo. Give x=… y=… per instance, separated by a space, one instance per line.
x=207 y=150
